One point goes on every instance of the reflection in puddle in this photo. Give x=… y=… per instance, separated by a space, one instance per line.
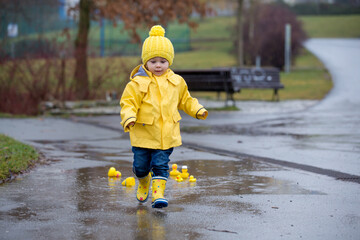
x=22 y=213
x=99 y=207
x=235 y=178
x=150 y=224
x=215 y=179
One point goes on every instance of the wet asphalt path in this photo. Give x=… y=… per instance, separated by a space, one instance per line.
x=235 y=197
x=326 y=135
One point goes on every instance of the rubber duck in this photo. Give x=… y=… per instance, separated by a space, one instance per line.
x=118 y=174
x=179 y=178
x=174 y=172
x=112 y=172
x=184 y=174
x=192 y=179
x=129 y=182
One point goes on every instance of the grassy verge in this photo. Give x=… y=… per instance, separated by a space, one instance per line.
x=8 y=115
x=15 y=157
x=308 y=80
x=336 y=26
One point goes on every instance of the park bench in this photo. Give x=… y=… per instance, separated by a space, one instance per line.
x=232 y=80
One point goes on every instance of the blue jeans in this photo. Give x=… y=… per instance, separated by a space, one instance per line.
x=155 y=160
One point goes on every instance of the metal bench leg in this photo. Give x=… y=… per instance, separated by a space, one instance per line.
x=230 y=97
x=275 y=96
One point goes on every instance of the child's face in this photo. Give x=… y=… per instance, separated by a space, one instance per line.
x=157 y=65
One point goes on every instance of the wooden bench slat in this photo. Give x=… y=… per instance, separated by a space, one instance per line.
x=231 y=80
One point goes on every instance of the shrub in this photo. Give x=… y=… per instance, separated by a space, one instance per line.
x=267 y=36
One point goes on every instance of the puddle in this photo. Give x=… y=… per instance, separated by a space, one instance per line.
x=95 y=206
x=216 y=181
x=99 y=207
x=22 y=213
x=95 y=190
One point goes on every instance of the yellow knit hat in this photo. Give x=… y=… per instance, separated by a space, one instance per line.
x=157 y=45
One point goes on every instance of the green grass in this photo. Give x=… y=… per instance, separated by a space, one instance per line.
x=216 y=27
x=203 y=59
x=15 y=157
x=337 y=26
x=308 y=79
x=212 y=47
x=8 y=115
x=306 y=60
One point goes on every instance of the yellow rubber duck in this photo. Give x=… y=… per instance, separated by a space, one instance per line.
x=129 y=182
x=179 y=178
x=192 y=179
x=118 y=174
x=184 y=174
x=112 y=172
x=174 y=172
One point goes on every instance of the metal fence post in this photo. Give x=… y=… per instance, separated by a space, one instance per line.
x=287 y=47
x=102 y=37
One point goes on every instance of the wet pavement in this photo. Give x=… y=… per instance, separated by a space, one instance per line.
x=236 y=196
x=326 y=135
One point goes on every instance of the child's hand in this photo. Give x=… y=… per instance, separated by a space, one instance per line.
x=131 y=124
x=203 y=115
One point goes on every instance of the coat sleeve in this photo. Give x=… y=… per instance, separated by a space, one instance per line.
x=190 y=105
x=130 y=103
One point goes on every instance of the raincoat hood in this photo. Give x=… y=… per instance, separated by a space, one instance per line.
x=143 y=77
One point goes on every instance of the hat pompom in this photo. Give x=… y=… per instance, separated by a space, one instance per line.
x=157 y=30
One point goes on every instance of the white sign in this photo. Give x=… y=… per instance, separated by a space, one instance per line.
x=12 y=30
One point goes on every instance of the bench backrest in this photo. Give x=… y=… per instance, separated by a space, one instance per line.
x=255 y=78
x=230 y=79
x=206 y=79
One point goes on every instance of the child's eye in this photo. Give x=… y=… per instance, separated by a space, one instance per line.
x=163 y=62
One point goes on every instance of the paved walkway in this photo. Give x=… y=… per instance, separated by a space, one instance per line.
x=235 y=197
x=326 y=135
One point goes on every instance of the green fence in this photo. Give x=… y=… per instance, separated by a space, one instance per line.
x=39 y=24
x=114 y=41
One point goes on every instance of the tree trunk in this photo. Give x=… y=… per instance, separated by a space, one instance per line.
x=81 y=72
x=240 y=41
x=252 y=20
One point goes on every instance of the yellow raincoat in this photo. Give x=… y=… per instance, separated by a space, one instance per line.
x=153 y=102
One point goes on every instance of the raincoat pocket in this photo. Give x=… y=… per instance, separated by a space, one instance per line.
x=145 y=119
x=176 y=117
x=144 y=128
x=176 y=126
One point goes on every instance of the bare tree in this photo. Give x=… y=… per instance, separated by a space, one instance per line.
x=266 y=39
x=239 y=33
x=81 y=42
x=134 y=14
